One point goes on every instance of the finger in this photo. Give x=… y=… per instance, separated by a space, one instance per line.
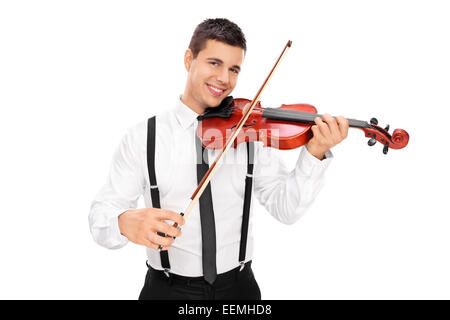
x=171 y=215
x=332 y=126
x=323 y=127
x=343 y=126
x=167 y=229
x=158 y=240
x=316 y=131
x=149 y=244
x=156 y=246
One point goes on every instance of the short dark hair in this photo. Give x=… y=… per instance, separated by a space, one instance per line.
x=219 y=29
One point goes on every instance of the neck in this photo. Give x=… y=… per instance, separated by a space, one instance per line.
x=304 y=117
x=193 y=104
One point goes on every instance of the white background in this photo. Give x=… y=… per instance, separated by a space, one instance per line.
x=75 y=75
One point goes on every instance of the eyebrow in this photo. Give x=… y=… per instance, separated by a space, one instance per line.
x=220 y=61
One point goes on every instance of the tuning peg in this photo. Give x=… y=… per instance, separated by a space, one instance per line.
x=386 y=128
x=386 y=148
x=372 y=140
x=374 y=121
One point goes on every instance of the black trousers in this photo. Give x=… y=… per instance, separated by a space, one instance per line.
x=231 y=285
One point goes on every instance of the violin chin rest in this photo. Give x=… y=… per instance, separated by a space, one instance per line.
x=223 y=110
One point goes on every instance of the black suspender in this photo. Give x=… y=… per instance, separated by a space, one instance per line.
x=151 y=134
x=247 y=202
x=154 y=192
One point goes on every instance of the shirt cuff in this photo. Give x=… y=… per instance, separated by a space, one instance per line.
x=115 y=228
x=310 y=166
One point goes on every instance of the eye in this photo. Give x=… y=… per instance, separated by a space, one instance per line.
x=236 y=71
x=213 y=63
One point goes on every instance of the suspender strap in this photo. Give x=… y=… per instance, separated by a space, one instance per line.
x=151 y=134
x=154 y=192
x=247 y=202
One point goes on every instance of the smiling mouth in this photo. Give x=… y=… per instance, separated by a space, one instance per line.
x=216 y=91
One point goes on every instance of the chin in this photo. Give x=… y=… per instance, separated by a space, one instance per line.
x=213 y=102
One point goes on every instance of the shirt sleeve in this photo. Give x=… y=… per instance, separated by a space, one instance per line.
x=285 y=194
x=123 y=187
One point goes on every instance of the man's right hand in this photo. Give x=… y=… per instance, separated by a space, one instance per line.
x=141 y=226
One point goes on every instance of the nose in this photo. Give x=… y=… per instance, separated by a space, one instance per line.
x=223 y=76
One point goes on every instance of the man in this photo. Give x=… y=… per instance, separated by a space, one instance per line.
x=210 y=257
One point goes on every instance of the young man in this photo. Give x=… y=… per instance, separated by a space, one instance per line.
x=161 y=159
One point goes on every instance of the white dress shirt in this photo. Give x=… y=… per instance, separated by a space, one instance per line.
x=285 y=194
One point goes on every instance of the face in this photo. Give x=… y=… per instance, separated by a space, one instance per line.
x=212 y=75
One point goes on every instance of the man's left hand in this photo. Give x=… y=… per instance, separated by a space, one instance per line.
x=328 y=132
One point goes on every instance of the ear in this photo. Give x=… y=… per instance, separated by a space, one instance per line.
x=188 y=57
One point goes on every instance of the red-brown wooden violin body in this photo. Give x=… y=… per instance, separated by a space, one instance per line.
x=286 y=127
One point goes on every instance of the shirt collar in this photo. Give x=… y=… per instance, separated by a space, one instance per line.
x=185 y=115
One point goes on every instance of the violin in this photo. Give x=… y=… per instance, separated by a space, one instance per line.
x=238 y=120
x=287 y=127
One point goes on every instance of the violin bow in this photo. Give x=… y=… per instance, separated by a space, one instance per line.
x=208 y=175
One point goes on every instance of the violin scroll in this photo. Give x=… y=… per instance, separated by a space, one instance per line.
x=398 y=140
